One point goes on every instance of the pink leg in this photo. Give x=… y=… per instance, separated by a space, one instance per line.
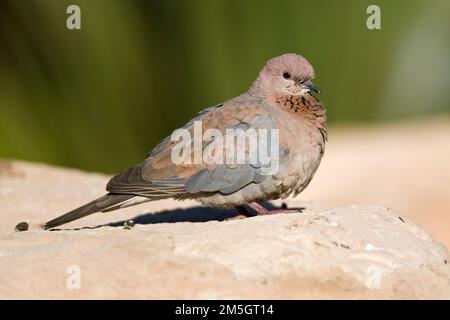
x=243 y=213
x=260 y=210
x=263 y=211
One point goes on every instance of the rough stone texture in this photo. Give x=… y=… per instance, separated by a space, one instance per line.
x=348 y=252
x=400 y=165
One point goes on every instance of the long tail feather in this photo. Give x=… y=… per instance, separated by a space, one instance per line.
x=127 y=203
x=100 y=204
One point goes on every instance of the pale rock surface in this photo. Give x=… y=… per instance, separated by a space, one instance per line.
x=367 y=252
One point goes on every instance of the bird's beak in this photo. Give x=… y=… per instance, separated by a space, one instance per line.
x=312 y=86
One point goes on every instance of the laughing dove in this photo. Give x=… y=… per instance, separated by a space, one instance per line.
x=279 y=101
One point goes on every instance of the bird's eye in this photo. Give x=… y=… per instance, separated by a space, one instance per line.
x=286 y=75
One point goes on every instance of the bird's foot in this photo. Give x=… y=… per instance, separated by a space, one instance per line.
x=243 y=213
x=263 y=211
x=260 y=210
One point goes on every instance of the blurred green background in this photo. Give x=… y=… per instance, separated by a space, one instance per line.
x=101 y=97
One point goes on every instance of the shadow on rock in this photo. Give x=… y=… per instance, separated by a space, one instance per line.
x=194 y=214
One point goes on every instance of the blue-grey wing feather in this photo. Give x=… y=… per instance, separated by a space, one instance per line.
x=223 y=179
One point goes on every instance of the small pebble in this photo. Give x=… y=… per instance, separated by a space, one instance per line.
x=128 y=224
x=369 y=247
x=22 y=226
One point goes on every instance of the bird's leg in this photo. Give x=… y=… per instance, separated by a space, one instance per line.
x=243 y=213
x=263 y=211
x=260 y=210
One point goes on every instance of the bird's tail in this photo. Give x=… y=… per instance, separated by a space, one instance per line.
x=108 y=202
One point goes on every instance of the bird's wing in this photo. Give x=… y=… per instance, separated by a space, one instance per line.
x=159 y=177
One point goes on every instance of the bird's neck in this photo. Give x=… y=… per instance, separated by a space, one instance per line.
x=305 y=105
x=306 y=108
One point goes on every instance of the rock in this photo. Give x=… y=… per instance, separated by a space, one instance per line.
x=401 y=164
x=363 y=252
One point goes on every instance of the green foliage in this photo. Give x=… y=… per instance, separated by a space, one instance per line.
x=101 y=97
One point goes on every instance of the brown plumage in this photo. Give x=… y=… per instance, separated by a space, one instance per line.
x=280 y=99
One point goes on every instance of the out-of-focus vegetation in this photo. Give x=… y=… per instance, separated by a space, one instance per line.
x=101 y=97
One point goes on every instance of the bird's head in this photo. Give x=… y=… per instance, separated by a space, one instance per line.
x=289 y=74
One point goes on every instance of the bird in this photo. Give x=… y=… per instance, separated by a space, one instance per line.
x=281 y=98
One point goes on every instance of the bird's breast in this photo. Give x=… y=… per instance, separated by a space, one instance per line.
x=305 y=145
